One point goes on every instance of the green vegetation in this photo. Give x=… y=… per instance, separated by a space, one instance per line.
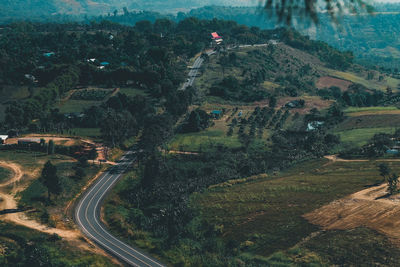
x=372 y=109
x=72 y=106
x=267 y=213
x=131 y=92
x=358 y=247
x=86 y=132
x=359 y=137
x=202 y=141
x=90 y=94
x=4 y=174
x=359 y=79
x=72 y=177
x=20 y=246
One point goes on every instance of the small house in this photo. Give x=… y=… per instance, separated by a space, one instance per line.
x=314 y=125
x=299 y=103
x=104 y=63
x=3 y=139
x=392 y=151
x=216 y=114
x=28 y=141
x=49 y=54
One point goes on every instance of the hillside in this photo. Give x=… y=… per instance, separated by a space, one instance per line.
x=232 y=170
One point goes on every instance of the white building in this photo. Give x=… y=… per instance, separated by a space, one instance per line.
x=3 y=139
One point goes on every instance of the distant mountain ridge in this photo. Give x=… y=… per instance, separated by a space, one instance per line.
x=33 y=9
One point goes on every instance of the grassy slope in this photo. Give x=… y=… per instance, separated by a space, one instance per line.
x=15 y=243
x=9 y=93
x=362 y=123
x=268 y=212
x=4 y=174
x=360 y=79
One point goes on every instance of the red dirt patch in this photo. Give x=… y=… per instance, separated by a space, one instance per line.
x=328 y=81
x=310 y=103
x=368 y=208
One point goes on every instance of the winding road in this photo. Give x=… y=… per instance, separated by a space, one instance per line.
x=88 y=209
x=87 y=216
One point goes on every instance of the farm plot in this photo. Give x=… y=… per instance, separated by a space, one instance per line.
x=269 y=212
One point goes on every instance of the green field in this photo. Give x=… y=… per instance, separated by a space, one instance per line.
x=202 y=140
x=4 y=174
x=359 y=137
x=30 y=161
x=372 y=109
x=266 y=214
x=86 y=132
x=72 y=106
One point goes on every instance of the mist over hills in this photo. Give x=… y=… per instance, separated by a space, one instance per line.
x=34 y=9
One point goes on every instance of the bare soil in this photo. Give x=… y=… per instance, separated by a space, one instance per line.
x=367 y=208
x=310 y=103
x=328 y=81
x=8 y=201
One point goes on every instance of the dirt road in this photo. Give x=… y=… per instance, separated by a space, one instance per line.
x=8 y=202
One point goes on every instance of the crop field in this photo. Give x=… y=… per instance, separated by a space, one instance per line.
x=370 y=121
x=327 y=81
x=357 y=78
x=217 y=134
x=355 y=111
x=268 y=212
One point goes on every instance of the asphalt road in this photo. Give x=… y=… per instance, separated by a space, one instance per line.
x=87 y=216
x=195 y=69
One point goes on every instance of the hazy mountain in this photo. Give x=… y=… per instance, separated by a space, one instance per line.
x=34 y=9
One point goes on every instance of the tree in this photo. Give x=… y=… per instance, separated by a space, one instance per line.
x=79 y=173
x=384 y=170
x=392 y=183
x=93 y=154
x=50 y=150
x=272 y=101
x=50 y=179
x=198 y=120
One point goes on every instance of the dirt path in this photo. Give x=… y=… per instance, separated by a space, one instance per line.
x=8 y=202
x=17 y=173
x=335 y=158
x=366 y=208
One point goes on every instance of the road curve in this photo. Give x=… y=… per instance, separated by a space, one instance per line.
x=87 y=217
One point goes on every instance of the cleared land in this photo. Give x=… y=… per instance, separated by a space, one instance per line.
x=310 y=103
x=217 y=133
x=327 y=82
x=269 y=212
x=367 y=208
x=360 y=78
